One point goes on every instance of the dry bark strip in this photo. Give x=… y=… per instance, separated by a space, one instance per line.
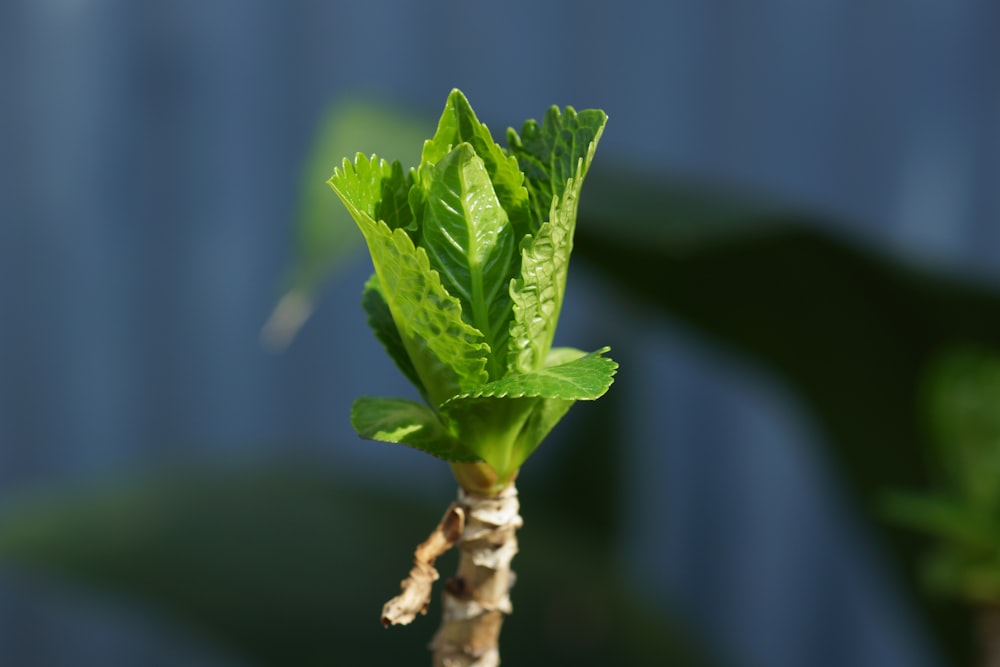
x=416 y=594
x=477 y=598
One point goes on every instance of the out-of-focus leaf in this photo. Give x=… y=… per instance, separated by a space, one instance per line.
x=962 y=511
x=674 y=214
x=964 y=560
x=324 y=235
x=946 y=518
x=289 y=566
x=964 y=407
x=971 y=576
x=852 y=331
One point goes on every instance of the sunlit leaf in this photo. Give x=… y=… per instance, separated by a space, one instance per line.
x=471 y=244
x=458 y=124
x=583 y=378
x=448 y=354
x=471 y=275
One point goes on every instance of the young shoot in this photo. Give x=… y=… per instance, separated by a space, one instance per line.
x=471 y=252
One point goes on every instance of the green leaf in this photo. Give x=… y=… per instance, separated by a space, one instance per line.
x=363 y=185
x=448 y=354
x=470 y=282
x=585 y=378
x=945 y=518
x=459 y=124
x=975 y=579
x=491 y=427
x=406 y=422
x=544 y=416
x=504 y=431
x=471 y=244
x=504 y=421
x=393 y=207
x=561 y=149
x=538 y=293
x=563 y=355
x=964 y=413
x=381 y=322
x=556 y=157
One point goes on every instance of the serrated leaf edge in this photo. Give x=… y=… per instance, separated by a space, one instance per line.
x=463 y=454
x=484 y=391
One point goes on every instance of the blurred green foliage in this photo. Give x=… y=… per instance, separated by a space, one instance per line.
x=960 y=510
x=325 y=236
x=852 y=331
x=289 y=565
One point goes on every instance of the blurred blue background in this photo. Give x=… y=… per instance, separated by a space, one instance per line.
x=150 y=164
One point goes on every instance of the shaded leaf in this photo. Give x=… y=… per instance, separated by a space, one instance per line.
x=544 y=416
x=945 y=518
x=409 y=423
x=381 y=322
x=852 y=330
x=393 y=206
x=555 y=152
x=504 y=421
x=539 y=291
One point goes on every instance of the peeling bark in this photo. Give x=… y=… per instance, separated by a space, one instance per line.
x=476 y=599
x=416 y=594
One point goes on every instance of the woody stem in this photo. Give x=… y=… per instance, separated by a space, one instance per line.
x=476 y=599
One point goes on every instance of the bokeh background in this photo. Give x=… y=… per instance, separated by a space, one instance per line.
x=178 y=491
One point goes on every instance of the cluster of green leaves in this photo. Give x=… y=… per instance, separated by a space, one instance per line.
x=471 y=251
x=962 y=513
